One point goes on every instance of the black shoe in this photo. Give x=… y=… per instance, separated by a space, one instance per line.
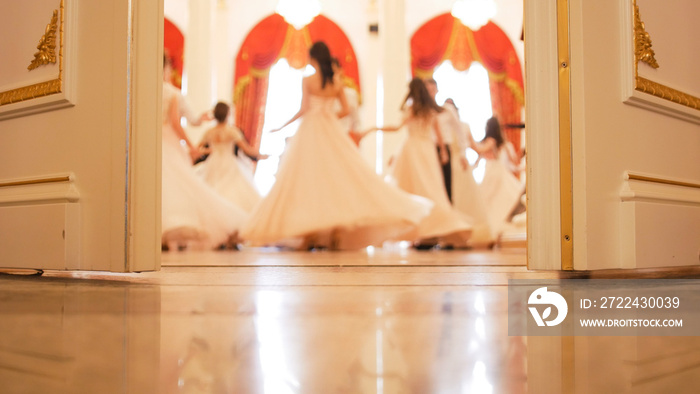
x=423 y=246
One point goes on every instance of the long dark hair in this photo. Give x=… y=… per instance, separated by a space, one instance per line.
x=493 y=130
x=167 y=60
x=319 y=52
x=421 y=101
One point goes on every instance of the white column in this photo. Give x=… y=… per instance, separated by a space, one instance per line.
x=224 y=54
x=368 y=63
x=198 y=82
x=394 y=72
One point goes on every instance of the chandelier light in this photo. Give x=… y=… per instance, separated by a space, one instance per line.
x=298 y=13
x=474 y=13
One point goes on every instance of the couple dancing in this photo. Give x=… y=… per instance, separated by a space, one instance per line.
x=326 y=195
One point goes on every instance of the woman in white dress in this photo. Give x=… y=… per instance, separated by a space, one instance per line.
x=466 y=194
x=222 y=170
x=417 y=170
x=500 y=188
x=193 y=214
x=325 y=194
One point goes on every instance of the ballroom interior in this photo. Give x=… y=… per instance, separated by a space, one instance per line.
x=89 y=301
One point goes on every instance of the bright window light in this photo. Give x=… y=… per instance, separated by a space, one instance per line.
x=480 y=380
x=471 y=93
x=474 y=13
x=283 y=101
x=298 y=13
x=276 y=374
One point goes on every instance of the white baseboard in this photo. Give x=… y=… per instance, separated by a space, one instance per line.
x=42 y=235
x=40 y=223
x=660 y=223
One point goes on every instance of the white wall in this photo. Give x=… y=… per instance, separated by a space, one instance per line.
x=611 y=137
x=90 y=139
x=177 y=11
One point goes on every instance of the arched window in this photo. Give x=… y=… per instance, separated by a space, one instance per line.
x=446 y=38
x=271 y=40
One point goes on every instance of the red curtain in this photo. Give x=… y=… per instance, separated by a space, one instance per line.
x=446 y=38
x=270 y=40
x=258 y=53
x=174 y=46
x=429 y=45
x=497 y=54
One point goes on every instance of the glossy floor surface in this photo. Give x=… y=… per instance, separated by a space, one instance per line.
x=263 y=321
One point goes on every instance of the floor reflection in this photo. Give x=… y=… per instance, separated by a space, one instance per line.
x=70 y=336
x=345 y=340
x=277 y=378
x=175 y=332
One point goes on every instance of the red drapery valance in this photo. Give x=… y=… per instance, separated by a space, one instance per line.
x=270 y=40
x=174 y=46
x=446 y=38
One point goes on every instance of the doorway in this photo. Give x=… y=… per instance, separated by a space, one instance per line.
x=265 y=171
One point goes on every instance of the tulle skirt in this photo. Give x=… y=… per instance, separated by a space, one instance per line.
x=468 y=199
x=192 y=212
x=324 y=189
x=501 y=191
x=224 y=172
x=417 y=171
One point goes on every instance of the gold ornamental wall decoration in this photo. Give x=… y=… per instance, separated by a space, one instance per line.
x=644 y=53
x=642 y=42
x=53 y=38
x=47 y=45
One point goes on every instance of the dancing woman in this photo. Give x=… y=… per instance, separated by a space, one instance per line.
x=500 y=188
x=417 y=169
x=193 y=214
x=325 y=194
x=222 y=170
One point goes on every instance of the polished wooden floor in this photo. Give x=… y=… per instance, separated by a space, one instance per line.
x=391 y=320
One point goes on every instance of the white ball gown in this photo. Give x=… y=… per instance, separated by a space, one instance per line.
x=468 y=199
x=192 y=212
x=325 y=187
x=417 y=171
x=501 y=190
x=225 y=173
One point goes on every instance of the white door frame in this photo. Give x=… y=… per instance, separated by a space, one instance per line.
x=543 y=142
x=144 y=128
x=90 y=199
x=542 y=68
x=619 y=223
x=547 y=248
